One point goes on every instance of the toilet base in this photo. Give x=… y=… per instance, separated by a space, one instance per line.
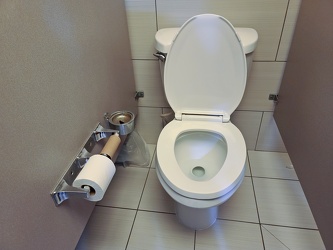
x=196 y=218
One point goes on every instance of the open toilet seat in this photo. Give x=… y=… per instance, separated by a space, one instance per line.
x=228 y=176
x=204 y=82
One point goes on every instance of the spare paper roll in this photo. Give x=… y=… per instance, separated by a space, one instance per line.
x=96 y=174
x=111 y=146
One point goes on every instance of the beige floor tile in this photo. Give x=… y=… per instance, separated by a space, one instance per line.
x=229 y=235
x=271 y=165
x=160 y=231
x=241 y=206
x=154 y=197
x=108 y=228
x=282 y=202
x=151 y=149
x=291 y=238
x=125 y=188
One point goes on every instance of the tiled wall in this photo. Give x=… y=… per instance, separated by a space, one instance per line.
x=273 y=19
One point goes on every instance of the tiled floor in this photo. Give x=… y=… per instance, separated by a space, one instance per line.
x=269 y=211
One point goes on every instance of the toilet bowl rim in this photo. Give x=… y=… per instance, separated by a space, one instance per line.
x=229 y=174
x=197 y=203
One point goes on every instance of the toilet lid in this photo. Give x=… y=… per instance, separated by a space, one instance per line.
x=205 y=71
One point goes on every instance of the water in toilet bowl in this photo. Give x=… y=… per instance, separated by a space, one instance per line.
x=200 y=154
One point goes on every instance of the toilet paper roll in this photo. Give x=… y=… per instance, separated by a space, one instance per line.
x=97 y=174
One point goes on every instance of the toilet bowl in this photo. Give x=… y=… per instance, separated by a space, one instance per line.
x=200 y=155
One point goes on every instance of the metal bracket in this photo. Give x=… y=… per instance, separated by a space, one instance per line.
x=160 y=56
x=64 y=189
x=139 y=94
x=273 y=97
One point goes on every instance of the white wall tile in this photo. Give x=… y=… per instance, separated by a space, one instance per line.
x=141 y=18
x=269 y=136
x=148 y=79
x=265 y=78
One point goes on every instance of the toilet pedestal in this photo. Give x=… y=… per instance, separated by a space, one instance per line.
x=204 y=217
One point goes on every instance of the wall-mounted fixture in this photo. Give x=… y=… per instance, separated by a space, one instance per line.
x=64 y=189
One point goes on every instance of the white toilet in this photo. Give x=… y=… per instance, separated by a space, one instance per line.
x=201 y=155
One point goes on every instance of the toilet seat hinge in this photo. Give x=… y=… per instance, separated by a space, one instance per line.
x=202 y=117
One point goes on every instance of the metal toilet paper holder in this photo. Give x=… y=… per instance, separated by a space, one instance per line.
x=64 y=189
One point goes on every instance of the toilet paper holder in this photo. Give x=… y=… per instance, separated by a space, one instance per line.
x=64 y=189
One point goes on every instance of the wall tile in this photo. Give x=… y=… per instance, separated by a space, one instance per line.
x=148 y=79
x=248 y=123
x=269 y=136
x=266 y=16
x=141 y=18
x=265 y=78
x=288 y=30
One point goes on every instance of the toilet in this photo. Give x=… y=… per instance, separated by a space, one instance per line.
x=200 y=155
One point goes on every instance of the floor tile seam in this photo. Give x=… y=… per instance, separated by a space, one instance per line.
x=259 y=129
x=154 y=211
x=195 y=238
x=274 y=236
x=130 y=233
x=117 y=207
x=249 y=222
x=143 y=189
x=240 y=221
x=273 y=178
x=137 y=209
x=248 y=160
x=266 y=151
x=257 y=208
x=291 y=227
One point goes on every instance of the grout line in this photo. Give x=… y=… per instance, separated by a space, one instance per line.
x=240 y=221
x=248 y=161
x=157 y=212
x=137 y=209
x=156 y=20
x=260 y=150
x=124 y=208
x=274 y=178
x=281 y=34
x=258 y=134
x=255 y=199
x=195 y=238
x=130 y=233
x=274 y=236
x=284 y=226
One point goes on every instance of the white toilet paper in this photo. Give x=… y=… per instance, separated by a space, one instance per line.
x=97 y=173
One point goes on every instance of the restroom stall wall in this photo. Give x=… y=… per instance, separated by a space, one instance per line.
x=304 y=112
x=273 y=19
x=62 y=65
